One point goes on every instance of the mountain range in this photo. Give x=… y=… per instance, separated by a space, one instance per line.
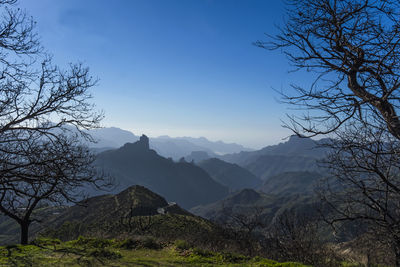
x=174 y=147
x=272 y=180
x=208 y=177
x=297 y=154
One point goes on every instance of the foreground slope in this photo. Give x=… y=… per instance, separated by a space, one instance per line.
x=103 y=252
x=182 y=182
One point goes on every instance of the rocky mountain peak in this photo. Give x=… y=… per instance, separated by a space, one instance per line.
x=144 y=141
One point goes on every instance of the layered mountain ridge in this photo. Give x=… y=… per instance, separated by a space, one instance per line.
x=181 y=182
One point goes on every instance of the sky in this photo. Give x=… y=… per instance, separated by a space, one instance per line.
x=175 y=67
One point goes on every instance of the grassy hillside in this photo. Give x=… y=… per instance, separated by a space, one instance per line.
x=106 y=252
x=134 y=211
x=10 y=230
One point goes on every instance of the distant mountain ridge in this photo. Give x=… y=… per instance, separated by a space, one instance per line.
x=174 y=147
x=294 y=146
x=296 y=154
x=218 y=147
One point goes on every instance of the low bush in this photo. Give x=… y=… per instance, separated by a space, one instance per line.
x=91 y=242
x=105 y=254
x=44 y=241
x=150 y=243
x=182 y=244
x=202 y=252
x=232 y=257
x=128 y=244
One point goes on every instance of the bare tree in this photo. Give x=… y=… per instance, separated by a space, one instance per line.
x=352 y=48
x=138 y=220
x=246 y=225
x=365 y=187
x=38 y=171
x=297 y=237
x=35 y=94
x=44 y=111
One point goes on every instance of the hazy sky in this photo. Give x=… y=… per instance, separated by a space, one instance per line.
x=175 y=67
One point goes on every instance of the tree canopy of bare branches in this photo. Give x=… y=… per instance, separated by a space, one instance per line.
x=352 y=47
x=44 y=111
x=365 y=164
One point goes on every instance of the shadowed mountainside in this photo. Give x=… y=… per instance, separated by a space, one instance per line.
x=250 y=202
x=290 y=190
x=182 y=182
x=231 y=175
x=297 y=154
x=289 y=183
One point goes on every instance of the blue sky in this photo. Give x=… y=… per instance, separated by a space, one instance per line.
x=175 y=67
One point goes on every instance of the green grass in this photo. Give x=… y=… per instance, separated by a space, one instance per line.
x=106 y=252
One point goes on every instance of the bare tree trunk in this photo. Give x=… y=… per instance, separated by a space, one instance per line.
x=397 y=254
x=24 y=232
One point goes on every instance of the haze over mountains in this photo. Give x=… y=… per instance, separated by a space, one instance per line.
x=296 y=154
x=165 y=146
x=203 y=176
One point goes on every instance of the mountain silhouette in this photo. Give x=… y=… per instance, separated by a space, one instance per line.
x=181 y=182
